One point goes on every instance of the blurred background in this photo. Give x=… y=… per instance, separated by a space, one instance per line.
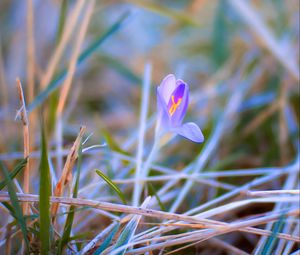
x=202 y=42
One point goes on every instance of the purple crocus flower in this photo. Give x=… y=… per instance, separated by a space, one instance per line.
x=172 y=104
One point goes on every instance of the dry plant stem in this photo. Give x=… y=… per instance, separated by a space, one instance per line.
x=67 y=171
x=25 y=123
x=259 y=119
x=68 y=81
x=210 y=224
x=283 y=130
x=76 y=51
x=116 y=208
x=273 y=192
x=69 y=28
x=3 y=84
x=287 y=170
x=30 y=51
x=169 y=171
x=203 y=235
x=142 y=128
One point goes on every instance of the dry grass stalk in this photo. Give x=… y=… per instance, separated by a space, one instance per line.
x=259 y=119
x=30 y=51
x=283 y=129
x=69 y=28
x=68 y=81
x=3 y=84
x=72 y=66
x=24 y=119
x=67 y=171
x=199 y=236
x=273 y=192
x=219 y=227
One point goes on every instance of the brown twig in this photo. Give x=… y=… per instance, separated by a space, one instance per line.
x=24 y=119
x=30 y=51
x=67 y=171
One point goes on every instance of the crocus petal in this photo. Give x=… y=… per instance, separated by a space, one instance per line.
x=190 y=131
x=180 y=93
x=167 y=86
x=162 y=111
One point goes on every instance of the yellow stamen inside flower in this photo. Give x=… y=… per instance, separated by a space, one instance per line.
x=174 y=105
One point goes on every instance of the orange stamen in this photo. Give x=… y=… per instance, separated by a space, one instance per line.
x=174 y=105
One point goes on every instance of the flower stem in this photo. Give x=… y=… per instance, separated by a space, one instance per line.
x=139 y=183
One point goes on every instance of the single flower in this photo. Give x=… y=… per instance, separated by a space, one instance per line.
x=172 y=104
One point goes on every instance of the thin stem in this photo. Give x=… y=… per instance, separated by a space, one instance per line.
x=145 y=171
x=143 y=120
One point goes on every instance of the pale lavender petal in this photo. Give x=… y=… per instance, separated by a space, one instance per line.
x=163 y=116
x=190 y=131
x=180 y=93
x=167 y=86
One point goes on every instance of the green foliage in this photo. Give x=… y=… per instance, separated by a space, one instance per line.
x=15 y=208
x=127 y=234
x=120 y=68
x=14 y=172
x=268 y=246
x=112 y=185
x=152 y=192
x=220 y=43
x=44 y=198
x=107 y=240
x=113 y=145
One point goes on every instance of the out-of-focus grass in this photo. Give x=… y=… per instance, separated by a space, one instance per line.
x=225 y=196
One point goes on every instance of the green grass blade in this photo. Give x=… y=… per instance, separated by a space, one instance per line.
x=18 y=214
x=107 y=240
x=56 y=82
x=220 y=43
x=128 y=232
x=111 y=142
x=14 y=172
x=112 y=185
x=152 y=192
x=121 y=68
x=70 y=218
x=45 y=193
x=270 y=242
